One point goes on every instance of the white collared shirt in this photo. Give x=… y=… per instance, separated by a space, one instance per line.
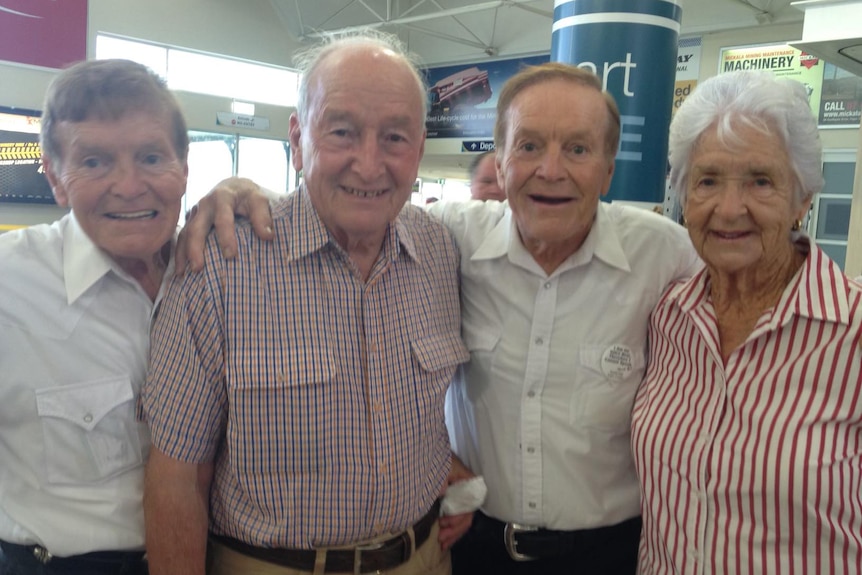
x=74 y=336
x=543 y=409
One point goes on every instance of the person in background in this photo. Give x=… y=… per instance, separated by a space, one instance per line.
x=746 y=428
x=296 y=393
x=483 y=178
x=78 y=296
x=556 y=291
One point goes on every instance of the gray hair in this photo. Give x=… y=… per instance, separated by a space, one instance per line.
x=108 y=90
x=759 y=100
x=308 y=61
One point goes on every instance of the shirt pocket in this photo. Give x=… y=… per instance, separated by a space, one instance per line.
x=89 y=430
x=609 y=376
x=481 y=341
x=439 y=351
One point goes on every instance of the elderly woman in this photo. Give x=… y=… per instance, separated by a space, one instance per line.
x=77 y=296
x=747 y=428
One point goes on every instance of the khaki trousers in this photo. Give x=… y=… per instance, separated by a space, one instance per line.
x=427 y=560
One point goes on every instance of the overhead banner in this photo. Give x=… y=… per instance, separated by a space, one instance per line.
x=834 y=95
x=462 y=100
x=46 y=33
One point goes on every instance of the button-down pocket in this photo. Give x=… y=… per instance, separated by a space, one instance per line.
x=436 y=352
x=609 y=377
x=89 y=430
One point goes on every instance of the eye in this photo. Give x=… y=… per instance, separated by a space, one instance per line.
x=528 y=147
x=706 y=182
x=152 y=159
x=91 y=162
x=761 y=182
x=578 y=149
x=394 y=137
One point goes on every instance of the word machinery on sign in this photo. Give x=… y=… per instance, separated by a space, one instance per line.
x=240 y=121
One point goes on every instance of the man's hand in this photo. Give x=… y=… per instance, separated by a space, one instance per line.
x=230 y=198
x=453 y=527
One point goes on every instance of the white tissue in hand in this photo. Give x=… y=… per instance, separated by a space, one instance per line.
x=464 y=496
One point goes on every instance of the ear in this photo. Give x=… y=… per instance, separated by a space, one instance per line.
x=422 y=145
x=803 y=208
x=294 y=134
x=609 y=177
x=60 y=195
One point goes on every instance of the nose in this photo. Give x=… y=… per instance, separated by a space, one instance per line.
x=368 y=163
x=551 y=164
x=127 y=180
x=731 y=199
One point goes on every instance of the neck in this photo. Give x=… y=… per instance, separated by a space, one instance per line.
x=363 y=252
x=149 y=273
x=549 y=255
x=753 y=290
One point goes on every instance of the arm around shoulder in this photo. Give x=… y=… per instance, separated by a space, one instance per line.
x=176 y=502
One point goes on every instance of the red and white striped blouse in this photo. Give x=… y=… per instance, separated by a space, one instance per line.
x=754 y=466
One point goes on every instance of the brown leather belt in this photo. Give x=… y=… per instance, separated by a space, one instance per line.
x=378 y=557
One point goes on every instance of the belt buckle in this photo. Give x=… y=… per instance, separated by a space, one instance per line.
x=509 y=533
x=42 y=555
x=357 y=556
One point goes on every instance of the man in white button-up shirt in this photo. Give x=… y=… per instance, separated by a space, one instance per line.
x=556 y=291
x=74 y=322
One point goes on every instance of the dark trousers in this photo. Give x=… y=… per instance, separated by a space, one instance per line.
x=19 y=560
x=613 y=552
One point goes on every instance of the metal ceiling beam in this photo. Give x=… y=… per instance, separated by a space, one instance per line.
x=442 y=36
x=435 y=15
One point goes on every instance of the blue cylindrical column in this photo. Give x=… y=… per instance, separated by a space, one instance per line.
x=632 y=46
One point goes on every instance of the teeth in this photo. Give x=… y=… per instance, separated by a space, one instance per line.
x=132 y=215
x=364 y=193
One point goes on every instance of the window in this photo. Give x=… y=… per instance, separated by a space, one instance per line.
x=830 y=218
x=206 y=73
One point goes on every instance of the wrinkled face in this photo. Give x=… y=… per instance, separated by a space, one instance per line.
x=741 y=201
x=484 y=185
x=554 y=165
x=123 y=180
x=361 y=149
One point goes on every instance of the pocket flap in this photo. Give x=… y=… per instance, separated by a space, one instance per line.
x=480 y=339
x=441 y=350
x=84 y=404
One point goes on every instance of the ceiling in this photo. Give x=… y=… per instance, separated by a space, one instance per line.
x=452 y=31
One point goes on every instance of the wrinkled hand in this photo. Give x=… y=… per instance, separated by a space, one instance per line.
x=229 y=198
x=453 y=527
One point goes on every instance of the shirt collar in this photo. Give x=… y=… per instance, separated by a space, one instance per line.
x=603 y=242
x=307 y=234
x=84 y=263
x=819 y=290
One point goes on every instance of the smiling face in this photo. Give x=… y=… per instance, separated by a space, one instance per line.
x=742 y=202
x=555 y=166
x=361 y=149
x=123 y=180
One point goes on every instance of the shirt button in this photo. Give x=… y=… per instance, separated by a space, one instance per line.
x=539 y=341
x=531 y=450
x=531 y=394
x=547 y=285
x=88 y=418
x=372 y=347
x=531 y=504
